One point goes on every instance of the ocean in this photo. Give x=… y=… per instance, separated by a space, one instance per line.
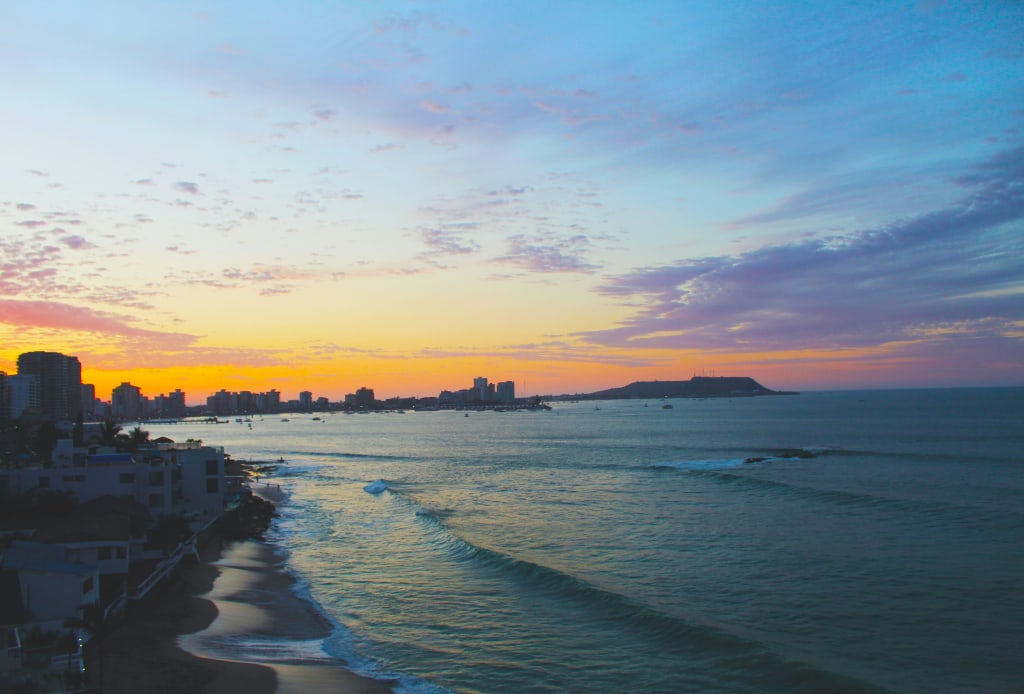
x=828 y=541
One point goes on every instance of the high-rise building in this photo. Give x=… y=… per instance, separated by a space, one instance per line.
x=273 y=401
x=126 y=402
x=5 y=399
x=480 y=389
x=365 y=398
x=176 y=404
x=88 y=400
x=506 y=392
x=23 y=391
x=60 y=382
x=306 y=400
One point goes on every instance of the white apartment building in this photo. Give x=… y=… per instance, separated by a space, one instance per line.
x=169 y=478
x=52 y=588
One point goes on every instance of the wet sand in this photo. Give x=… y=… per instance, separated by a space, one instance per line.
x=205 y=630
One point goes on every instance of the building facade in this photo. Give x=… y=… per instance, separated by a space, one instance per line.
x=60 y=383
x=23 y=394
x=126 y=402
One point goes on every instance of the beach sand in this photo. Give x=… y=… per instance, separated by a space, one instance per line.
x=174 y=640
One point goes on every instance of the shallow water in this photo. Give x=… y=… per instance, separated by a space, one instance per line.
x=631 y=547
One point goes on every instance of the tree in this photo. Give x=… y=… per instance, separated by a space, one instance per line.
x=44 y=441
x=138 y=438
x=109 y=430
x=78 y=432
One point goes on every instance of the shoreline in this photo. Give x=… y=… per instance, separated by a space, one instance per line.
x=238 y=590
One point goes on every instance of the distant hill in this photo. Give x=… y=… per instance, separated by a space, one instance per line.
x=696 y=387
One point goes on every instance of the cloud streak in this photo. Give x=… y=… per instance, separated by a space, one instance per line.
x=954 y=272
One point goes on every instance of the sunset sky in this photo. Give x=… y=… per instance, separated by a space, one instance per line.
x=570 y=195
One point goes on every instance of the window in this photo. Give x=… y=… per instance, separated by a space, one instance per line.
x=127 y=477
x=212 y=486
x=103 y=553
x=74 y=478
x=211 y=467
x=156 y=500
x=156 y=479
x=121 y=553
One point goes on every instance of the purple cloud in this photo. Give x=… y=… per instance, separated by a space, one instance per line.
x=448 y=241
x=187 y=187
x=548 y=254
x=955 y=271
x=76 y=242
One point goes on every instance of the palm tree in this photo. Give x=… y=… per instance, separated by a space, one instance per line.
x=108 y=432
x=138 y=437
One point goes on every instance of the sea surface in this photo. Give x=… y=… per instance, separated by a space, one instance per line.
x=623 y=546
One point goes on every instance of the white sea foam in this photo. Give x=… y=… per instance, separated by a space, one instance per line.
x=375 y=487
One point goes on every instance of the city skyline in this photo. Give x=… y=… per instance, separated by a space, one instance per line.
x=578 y=196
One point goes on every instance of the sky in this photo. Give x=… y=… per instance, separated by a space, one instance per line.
x=569 y=195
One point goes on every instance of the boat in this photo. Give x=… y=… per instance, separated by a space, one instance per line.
x=666 y=406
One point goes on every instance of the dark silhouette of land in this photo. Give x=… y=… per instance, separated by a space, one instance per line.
x=696 y=387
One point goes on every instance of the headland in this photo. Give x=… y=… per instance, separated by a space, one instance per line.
x=696 y=387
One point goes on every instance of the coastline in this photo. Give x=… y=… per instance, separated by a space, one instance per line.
x=237 y=590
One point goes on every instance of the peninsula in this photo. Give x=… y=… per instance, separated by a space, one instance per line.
x=696 y=387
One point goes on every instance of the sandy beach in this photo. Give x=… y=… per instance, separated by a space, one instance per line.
x=239 y=590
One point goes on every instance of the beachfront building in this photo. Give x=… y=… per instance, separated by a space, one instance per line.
x=52 y=589
x=167 y=478
x=60 y=383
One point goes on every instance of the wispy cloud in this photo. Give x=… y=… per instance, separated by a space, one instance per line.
x=189 y=187
x=76 y=242
x=548 y=254
x=448 y=240
x=63 y=316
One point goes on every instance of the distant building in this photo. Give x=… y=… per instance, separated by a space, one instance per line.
x=272 y=402
x=88 y=400
x=126 y=402
x=365 y=398
x=480 y=389
x=222 y=402
x=246 y=402
x=305 y=401
x=176 y=405
x=60 y=383
x=5 y=399
x=23 y=391
x=506 y=392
